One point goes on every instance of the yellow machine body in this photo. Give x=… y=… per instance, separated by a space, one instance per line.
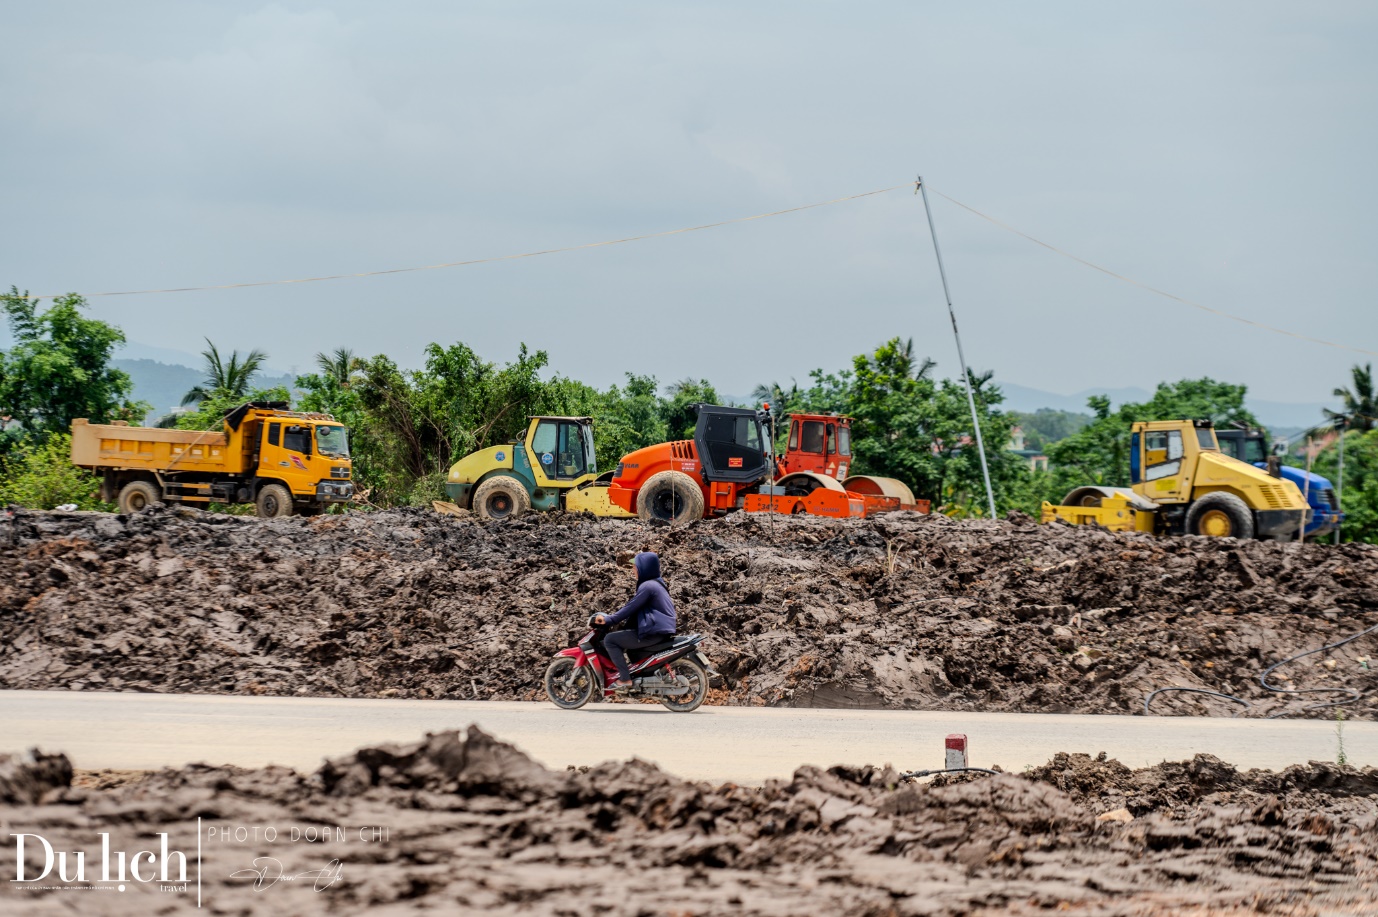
x=553 y=464
x=1183 y=484
x=1117 y=512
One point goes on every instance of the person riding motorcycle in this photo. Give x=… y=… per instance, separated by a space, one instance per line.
x=655 y=617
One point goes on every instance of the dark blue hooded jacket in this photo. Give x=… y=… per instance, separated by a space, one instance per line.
x=654 y=610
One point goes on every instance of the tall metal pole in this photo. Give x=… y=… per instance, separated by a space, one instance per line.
x=1340 y=479
x=1306 y=486
x=961 y=358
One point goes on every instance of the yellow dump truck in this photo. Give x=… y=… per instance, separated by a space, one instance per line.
x=1183 y=484
x=284 y=462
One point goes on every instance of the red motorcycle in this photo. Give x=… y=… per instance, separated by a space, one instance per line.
x=673 y=671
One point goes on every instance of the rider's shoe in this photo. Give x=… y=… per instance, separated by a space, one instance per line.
x=621 y=687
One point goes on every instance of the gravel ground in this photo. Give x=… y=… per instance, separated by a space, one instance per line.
x=474 y=826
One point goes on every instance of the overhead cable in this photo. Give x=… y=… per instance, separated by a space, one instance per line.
x=1143 y=286
x=758 y=216
x=548 y=251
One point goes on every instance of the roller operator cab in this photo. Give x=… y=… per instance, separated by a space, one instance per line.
x=729 y=457
x=818 y=455
x=1183 y=484
x=820 y=444
x=552 y=467
x=1251 y=446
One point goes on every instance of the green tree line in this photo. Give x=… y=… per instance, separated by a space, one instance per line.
x=407 y=426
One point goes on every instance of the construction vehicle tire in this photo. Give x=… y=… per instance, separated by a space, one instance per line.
x=1220 y=515
x=274 y=501
x=501 y=497
x=137 y=495
x=671 y=496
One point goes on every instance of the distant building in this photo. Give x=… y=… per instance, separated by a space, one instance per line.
x=1317 y=441
x=1036 y=459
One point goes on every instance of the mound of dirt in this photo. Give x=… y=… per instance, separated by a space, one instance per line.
x=900 y=610
x=463 y=823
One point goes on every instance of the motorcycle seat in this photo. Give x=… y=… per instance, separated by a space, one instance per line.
x=672 y=642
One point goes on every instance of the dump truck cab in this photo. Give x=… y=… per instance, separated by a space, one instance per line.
x=553 y=466
x=305 y=453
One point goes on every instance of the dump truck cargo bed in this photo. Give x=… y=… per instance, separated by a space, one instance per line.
x=122 y=446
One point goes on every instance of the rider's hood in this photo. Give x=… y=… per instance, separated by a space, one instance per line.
x=647 y=566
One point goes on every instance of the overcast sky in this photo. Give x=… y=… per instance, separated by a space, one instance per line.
x=1223 y=151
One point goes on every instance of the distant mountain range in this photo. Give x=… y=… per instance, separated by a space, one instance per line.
x=163 y=384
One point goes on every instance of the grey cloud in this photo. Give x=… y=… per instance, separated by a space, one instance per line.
x=1221 y=152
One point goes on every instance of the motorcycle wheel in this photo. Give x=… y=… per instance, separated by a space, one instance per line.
x=698 y=686
x=567 y=688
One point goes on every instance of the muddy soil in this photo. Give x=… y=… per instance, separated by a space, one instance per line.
x=463 y=823
x=901 y=610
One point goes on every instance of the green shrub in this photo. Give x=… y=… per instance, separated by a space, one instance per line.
x=42 y=476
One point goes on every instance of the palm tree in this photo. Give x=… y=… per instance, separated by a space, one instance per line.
x=1360 y=405
x=225 y=379
x=906 y=362
x=687 y=384
x=781 y=400
x=339 y=365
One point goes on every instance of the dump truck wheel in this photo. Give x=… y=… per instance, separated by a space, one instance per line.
x=137 y=495
x=274 y=501
x=1220 y=515
x=502 y=497
x=671 y=496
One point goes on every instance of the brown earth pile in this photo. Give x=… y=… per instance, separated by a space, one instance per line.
x=901 y=610
x=474 y=826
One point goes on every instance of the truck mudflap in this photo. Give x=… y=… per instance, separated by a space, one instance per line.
x=1270 y=523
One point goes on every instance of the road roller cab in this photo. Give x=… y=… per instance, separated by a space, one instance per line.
x=728 y=466
x=552 y=467
x=818 y=456
x=729 y=457
x=1182 y=484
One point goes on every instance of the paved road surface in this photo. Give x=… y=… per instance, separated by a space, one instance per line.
x=742 y=744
